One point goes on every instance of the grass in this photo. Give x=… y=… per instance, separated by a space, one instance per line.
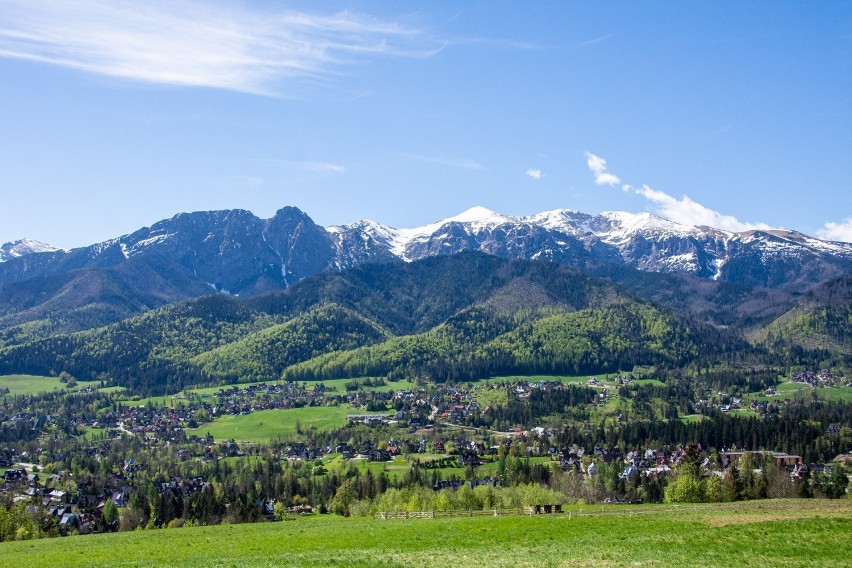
x=263 y=425
x=654 y=382
x=34 y=384
x=90 y=433
x=788 y=389
x=602 y=378
x=155 y=400
x=336 y=385
x=394 y=469
x=757 y=533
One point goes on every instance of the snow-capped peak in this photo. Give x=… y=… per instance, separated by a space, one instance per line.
x=23 y=247
x=480 y=215
x=564 y=220
x=623 y=225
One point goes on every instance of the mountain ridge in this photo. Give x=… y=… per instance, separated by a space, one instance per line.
x=236 y=252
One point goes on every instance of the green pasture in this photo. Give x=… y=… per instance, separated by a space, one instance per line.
x=167 y=400
x=604 y=378
x=33 y=384
x=263 y=425
x=394 y=469
x=90 y=433
x=653 y=382
x=756 y=533
x=787 y=389
x=337 y=386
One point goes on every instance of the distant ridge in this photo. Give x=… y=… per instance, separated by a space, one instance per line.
x=238 y=253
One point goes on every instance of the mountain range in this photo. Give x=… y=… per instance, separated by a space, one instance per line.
x=726 y=279
x=236 y=252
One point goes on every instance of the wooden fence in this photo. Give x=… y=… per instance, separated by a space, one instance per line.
x=544 y=510
x=446 y=514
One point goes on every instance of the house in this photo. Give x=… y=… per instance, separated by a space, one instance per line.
x=119 y=499
x=68 y=522
x=57 y=496
x=630 y=472
x=379 y=456
x=15 y=475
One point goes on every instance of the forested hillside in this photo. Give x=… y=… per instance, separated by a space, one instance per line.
x=821 y=320
x=480 y=343
x=454 y=317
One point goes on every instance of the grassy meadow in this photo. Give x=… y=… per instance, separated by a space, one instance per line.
x=757 y=533
x=263 y=425
x=789 y=389
x=32 y=384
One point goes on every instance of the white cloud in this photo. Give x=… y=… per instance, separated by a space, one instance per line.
x=841 y=231
x=534 y=173
x=598 y=167
x=683 y=210
x=689 y=212
x=190 y=43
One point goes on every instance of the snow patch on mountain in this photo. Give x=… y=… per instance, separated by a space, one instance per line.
x=624 y=226
x=23 y=247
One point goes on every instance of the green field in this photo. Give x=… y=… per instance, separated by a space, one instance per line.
x=787 y=389
x=582 y=379
x=394 y=469
x=335 y=385
x=653 y=382
x=32 y=384
x=263 y=425
x=757 y=533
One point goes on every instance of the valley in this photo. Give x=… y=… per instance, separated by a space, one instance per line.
x=455 y=382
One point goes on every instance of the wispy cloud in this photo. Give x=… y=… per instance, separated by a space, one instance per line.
x=309 y=166
x=463 y=163
x=681 y=210
x=318 y=167
x=598 y=167
x=190 y=43
x=841 y=231
x=534 y=173
x=594 y=41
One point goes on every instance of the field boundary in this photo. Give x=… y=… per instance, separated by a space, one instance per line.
x=540 y=510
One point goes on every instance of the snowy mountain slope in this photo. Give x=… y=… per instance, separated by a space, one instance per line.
x=23 y=247
x=639 y=240
x=236 y=252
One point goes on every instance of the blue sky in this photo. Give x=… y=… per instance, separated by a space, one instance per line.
x=115 y=114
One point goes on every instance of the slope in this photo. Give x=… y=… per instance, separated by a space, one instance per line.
x=430 y=318
x=820 y=320
x=265 y=354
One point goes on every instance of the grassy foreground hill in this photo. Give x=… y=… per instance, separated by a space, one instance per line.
x=757 y=533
